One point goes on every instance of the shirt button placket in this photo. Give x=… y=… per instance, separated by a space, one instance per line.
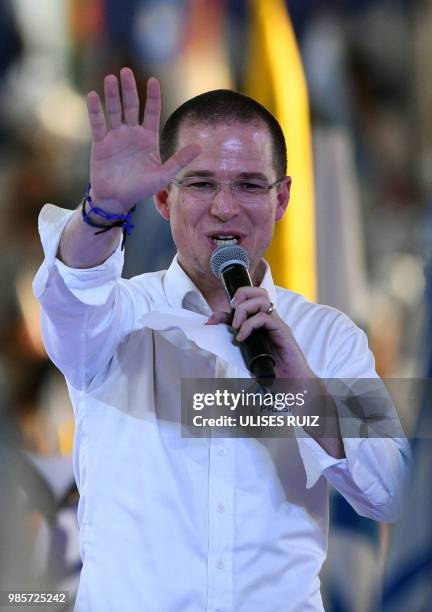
x=221 y=496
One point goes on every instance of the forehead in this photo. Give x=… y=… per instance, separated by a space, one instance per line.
x=229 y=147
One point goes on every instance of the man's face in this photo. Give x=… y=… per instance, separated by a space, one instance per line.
x=229 y=152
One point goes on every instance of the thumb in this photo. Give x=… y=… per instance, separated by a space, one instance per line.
x=179 y=160
x=219 y=316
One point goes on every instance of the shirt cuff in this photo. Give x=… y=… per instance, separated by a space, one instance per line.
x=91 y=286
x=371 y=477
x=315 y=458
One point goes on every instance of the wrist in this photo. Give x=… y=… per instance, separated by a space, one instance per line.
x=111 y=205
x=105 y=220
x=87 y=210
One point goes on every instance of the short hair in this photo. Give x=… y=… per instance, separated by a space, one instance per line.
x=224 y=106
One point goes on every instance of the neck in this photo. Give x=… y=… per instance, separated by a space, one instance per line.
x=212 y=289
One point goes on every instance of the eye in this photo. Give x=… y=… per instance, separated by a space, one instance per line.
x=249 y=186
x=200 y=185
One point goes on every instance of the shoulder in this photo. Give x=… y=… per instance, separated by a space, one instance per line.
x=333 y=342
x=298 y=311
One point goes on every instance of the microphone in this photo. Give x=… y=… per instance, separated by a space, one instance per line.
x=230 y=265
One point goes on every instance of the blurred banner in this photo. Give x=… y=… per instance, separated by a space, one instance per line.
x=408 y=570
x=275 y=78
x=203 y=65
x=341 y=262
x=351 y=576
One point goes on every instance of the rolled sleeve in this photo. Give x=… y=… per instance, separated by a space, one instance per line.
x=314 y=457
x=372 y=476
x=84 y=311
x=90 y=286
x=374 y=472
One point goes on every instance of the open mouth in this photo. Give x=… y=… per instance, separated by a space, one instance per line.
x=224 y=240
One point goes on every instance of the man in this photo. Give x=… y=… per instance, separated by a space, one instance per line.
x=170 y=523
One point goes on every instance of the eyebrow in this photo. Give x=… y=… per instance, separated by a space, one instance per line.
x=243 y=175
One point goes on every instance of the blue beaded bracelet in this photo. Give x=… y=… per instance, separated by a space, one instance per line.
x=123 y=221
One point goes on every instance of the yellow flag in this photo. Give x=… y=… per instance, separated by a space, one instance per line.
x=275 y=78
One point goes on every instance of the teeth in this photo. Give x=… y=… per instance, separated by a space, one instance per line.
x=226 y=240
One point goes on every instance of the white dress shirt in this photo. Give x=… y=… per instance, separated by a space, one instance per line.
x=175 y=524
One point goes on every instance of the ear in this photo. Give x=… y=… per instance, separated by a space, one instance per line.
x=283 y=197
x=162 y=204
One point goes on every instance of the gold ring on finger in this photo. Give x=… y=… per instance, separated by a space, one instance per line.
x=270 y=309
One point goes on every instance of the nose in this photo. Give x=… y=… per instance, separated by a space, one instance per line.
x=224 y=205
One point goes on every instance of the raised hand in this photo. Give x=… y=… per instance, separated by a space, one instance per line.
x=125 y=164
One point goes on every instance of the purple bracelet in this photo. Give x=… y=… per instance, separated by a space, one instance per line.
x=122 y=221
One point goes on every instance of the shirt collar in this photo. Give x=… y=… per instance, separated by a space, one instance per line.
x=181 y=291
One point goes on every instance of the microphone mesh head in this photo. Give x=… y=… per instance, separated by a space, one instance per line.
x=224 y=255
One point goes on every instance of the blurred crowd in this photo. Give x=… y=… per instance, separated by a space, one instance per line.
x=367 y=68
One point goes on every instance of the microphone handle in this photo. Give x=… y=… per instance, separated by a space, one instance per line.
x=256 y=350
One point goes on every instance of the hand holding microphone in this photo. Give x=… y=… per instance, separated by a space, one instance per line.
x=267 y=344
x=230 y=264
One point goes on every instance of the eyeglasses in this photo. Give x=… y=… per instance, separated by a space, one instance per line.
x=204 y=189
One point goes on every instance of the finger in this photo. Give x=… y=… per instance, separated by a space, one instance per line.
x=258 y=321
x=179 y=160
x=244 y=293
x=112 y=101
x=152 y=109
x=244 y=310
x=96 y=117
x=219 y=317
x=129 y=97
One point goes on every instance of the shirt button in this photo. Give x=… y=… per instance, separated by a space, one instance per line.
x=220 y=563
x=220 y=508
x=222 y=451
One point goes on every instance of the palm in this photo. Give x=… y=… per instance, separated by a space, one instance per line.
x=125 y=165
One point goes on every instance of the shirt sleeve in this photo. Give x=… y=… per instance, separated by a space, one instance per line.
x=372 y=475
x=85 y=313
